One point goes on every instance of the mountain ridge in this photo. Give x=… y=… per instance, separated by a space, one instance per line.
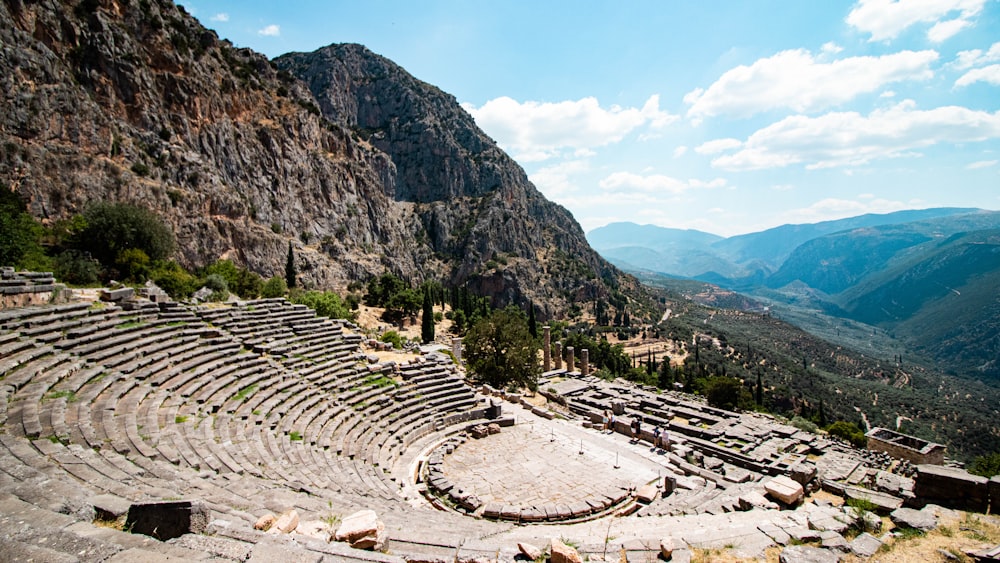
x=140 y=103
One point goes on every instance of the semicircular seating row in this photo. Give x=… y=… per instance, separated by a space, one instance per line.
x=256 y=404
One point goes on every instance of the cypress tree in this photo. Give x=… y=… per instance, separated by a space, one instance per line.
x=427 y=319
x=290 y=272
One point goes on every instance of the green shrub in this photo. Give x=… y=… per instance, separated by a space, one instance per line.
x=274 y=287
x=175 y=280
x=803 y=424
x=111 y=228
x=393 y=338
x=325 y=303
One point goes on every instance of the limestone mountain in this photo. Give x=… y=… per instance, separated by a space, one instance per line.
x=136 y=101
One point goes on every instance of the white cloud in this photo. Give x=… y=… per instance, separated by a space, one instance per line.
x=680 y=151
x=654 y=183
x=976 y=57
x=272 y=30
x=555 y=181
x=796 y=80
x=887 y=94
x=783 y=187
x=886 y=19
x=718 y=145
x=220 y=17
x=851 y=139
x=831 y=48
x=989 y=74
x=982 y=164
x=946 y=29
x=535 y=131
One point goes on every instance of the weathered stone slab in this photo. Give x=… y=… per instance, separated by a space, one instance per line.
x=835 y=541
x=807 y=554
x=167 y=520
x=109 y=507
x=784 y=489
x=753 y=499
x=916 y=519
x=647 y=493
x=865 y=545
x=884 y=503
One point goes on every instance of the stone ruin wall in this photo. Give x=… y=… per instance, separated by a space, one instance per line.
x=902 y=446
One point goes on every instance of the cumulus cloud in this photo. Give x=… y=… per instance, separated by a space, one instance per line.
x=272 y=30
x=989 y=74
x=220 y=17
x=831 y=48
x=556 y=181
x=796 y=79
x=680 y=151
x=886 y=19
x=851 y=139
x=976 y=57
x=718 y=145
x=982 y=164
x=535 y=131
x=654 y=183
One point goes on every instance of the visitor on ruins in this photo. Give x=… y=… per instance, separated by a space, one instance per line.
x=611 y=421
x=656 y=435
x=605 y=419
x=637 y=428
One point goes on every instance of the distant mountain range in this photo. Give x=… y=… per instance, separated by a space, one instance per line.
x=930 y=277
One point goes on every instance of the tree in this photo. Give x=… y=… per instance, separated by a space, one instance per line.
x=727 y=393
x=427 y=319
x=532 y=326
x=111 y=229
x=325 y=303
x=821 y=417
x=759 y=391
x=986 y=465
x=19 y=231
x=500 y=351
x=849 y=432
x=290 y=271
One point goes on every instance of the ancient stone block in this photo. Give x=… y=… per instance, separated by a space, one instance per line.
x=952 y=488
x=167 y=520
x=784 y=489
x=562 y=553
x=362 y=530
x=647 y=493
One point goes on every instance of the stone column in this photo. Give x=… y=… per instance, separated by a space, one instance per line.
x=546 y=355
x=558 y=355
x=570 y=360
x=585 y=361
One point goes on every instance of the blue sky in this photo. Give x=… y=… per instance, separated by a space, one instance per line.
x=723 y=116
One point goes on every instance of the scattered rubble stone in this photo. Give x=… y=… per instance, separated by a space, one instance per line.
x=530 y=551
x=562 y=553
x=362 y=530
x=288 y=521
x=265 y=522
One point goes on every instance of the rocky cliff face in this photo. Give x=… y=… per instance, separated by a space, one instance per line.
x=366 y=169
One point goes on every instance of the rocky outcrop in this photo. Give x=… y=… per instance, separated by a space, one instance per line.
x=477 y=209
x=137 y=102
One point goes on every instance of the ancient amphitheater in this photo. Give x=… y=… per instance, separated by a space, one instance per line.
x=224 y=414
